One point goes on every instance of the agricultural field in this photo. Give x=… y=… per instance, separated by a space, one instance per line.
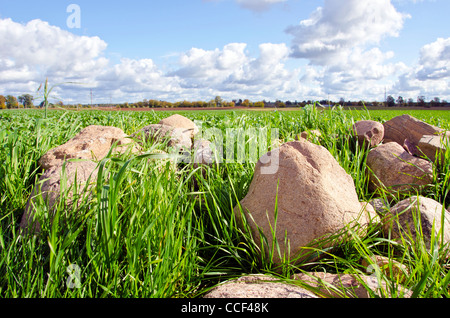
x=164 y=235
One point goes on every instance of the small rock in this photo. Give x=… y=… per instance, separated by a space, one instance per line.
x=202 y=152
x=309 y=135
x=399 y=271
x=345 y=285
x=258 y=286
x=403 y=217
x=176 y=138
x=182 y=122
x=381 y=206
x=431 y=146
x=368 y=132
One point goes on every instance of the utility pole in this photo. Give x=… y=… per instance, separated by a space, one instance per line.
x=91 y=97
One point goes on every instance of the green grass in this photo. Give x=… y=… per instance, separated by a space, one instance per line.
x=150 y=231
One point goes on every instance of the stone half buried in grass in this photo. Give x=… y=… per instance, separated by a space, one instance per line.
x=92 y=143
x=330 y=285
x=433 y=147
x=395 y=170
x=409 y=216
x=179 y=121
x=314 y=194
x=258 y=286
x=49 y=186
x=175 y=138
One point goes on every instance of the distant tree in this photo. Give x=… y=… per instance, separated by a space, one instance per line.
x=26 y=100
x=2 y=102
x=280 y=104
x=245 y=103
x=218 y=100
x=400 y=101
x=259 y=104
x=390 y=101
x=410 y=102
x=421 y=100
x=11 y=102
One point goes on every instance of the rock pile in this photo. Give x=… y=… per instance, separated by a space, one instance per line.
x=405 y=160
x=312 y=196
x=76 y=160
x=308 y=197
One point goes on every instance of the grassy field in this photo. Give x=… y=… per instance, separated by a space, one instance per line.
x=159 y=234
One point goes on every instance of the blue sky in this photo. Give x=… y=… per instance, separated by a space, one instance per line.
x=257 y=49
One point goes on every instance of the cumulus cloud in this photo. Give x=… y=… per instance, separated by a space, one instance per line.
x=435 y=60
x=36 y=50
x=340 y=25
x=37 y=47
x=431 y=74
x=232 y=69
x=341 y=38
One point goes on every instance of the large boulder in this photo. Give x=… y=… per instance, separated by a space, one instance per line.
x=407 y=130
x=315 y=195
x=394 y=168
x=49 y=187
x=258 y=286
x=403 y=220
x=179 y=121
x=92 y=143
x=368 y=132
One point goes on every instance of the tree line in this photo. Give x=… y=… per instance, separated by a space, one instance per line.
x=27 y=101
x=10 y=101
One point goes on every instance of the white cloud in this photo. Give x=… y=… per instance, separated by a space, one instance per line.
x=48 y=49
x=435 y=60
x=431 y=75
x=340 y=40
x=232 y=70
x=36 y=50
x=340 y=25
